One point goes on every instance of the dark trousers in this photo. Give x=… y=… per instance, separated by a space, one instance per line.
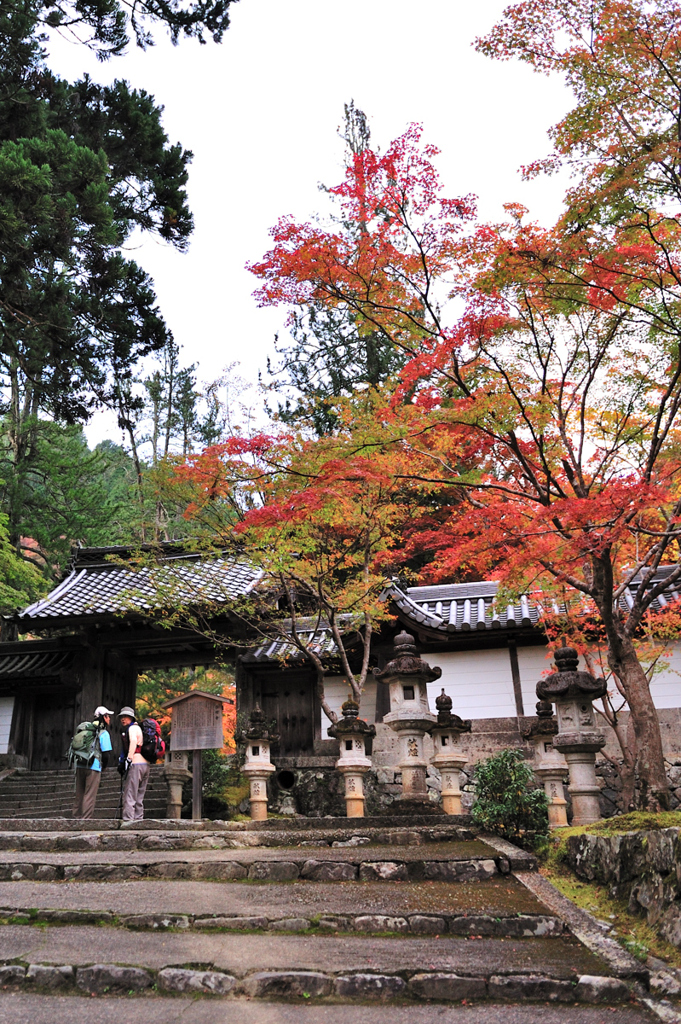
x=87 y=784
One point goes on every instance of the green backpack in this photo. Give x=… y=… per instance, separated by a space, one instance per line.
x=84 y=746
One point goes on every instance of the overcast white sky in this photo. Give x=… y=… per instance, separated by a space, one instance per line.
x=260 y=112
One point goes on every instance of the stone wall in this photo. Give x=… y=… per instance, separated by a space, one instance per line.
x=318 y=788
x=642 y=867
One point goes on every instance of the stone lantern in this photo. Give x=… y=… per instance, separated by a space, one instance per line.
x=352 y=733
x=176 y=773
x=550 y=766
x=577 y=738
x=257 y=766
x=410 y=717
x=448 y=757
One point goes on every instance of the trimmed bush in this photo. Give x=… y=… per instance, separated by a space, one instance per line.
x=507 y=800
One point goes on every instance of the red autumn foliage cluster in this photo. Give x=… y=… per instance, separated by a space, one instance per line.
x=533 y=434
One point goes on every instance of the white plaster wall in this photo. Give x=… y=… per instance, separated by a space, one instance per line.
x=479 y=683
x=532 y=664
x=665 y=686
x=337 y=691
x=6 y=709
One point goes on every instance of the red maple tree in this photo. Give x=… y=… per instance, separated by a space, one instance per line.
x=550 y=407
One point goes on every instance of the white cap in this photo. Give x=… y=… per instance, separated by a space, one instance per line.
x=101 y=710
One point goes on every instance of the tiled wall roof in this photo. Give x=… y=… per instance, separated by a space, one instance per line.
x=106 y=588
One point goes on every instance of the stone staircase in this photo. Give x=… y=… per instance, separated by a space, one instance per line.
x=49 y=794
x=325 y=910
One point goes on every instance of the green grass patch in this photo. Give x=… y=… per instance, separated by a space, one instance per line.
x=634 y=933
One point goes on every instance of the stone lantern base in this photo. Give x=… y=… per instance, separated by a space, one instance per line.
x=353 y=776
x=176 y=773
x=583 y=789
x=552 y=779
x=450 y=773
x=257 y=778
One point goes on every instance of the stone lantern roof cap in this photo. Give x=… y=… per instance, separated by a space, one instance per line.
x=350 y=723
x=257 y=728
x=406 y=662
x=544 y=724
x=568 y=683
x=446 y=719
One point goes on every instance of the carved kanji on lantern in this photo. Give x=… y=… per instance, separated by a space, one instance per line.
x=257 y=766
x=410 y=717
x=550 y=765
x=447 y=756
x=352 y=733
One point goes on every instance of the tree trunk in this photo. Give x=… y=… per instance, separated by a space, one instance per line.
x=653 y=786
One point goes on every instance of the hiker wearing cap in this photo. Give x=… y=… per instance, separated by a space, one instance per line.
x=135 y=766
x=89 y=754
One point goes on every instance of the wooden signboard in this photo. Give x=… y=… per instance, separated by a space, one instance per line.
x=196 y=725
x=196 y=722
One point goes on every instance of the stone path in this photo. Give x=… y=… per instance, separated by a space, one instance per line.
x=360 y=913
x=40 y=1009
x=500 y=896
x=559 y=957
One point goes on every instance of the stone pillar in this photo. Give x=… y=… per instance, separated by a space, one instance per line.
x=176 y=773
x=257 y=766
x=410 y=717
x=447 y=757
x=550 y=766
x=352 y=733
x=577 y=738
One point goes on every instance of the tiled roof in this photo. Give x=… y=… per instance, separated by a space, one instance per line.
x=321 y=643
x=317 y=638
x=672 y=592
x=45 y=664
x=460 y=607
x=97 y=586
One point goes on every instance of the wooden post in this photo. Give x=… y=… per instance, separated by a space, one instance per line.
x=197 y=803
x=196 y=726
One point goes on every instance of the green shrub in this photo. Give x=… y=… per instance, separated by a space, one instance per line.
x=215 y=771
x=507 y=801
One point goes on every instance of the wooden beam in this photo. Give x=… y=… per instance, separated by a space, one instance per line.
x=515 y=674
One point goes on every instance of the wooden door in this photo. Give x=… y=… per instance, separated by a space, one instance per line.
x=290 y=702
x=53 y=726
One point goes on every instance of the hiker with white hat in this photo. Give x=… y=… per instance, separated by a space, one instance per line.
x=89 y=754
x=135 y=767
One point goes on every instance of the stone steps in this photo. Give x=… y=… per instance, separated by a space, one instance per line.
x=499 y=907
x=449 y=861
x=271 y=966
x=49 y=794
x=132 y=836
x=359 y=911
x=519 y=926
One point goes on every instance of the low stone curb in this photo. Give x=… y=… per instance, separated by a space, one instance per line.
x=586 y=928
x=424 y=824
x=261 y=871
x=517 y=859
x=99 y=979
x=165 y=837
x=518 y=926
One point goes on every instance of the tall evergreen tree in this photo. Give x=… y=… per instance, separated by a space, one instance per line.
x=82 y=166
x=333 y=351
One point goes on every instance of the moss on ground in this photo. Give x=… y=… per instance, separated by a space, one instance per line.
x=633 y=932
x=637 y=821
